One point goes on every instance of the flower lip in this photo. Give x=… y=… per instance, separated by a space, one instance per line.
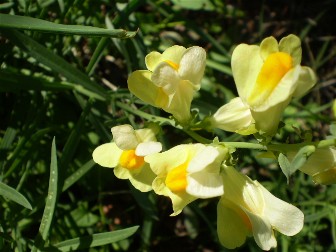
x=130 y=160
x=176 y=179
x=272 y=71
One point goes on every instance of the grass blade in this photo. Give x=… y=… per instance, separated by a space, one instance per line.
x=49 y=209
x=93 y=240
x=53 y=61
x=73 y=178
x=35 y=24
x=10 y=193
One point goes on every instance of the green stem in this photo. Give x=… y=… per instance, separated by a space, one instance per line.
x=281 y=147
x=159 y=119
x=243 y=145
x=197 y=137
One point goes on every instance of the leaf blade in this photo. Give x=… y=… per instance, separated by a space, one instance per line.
x=35 y=24
x=49 y=208
x=10 y=193
x=94 y=240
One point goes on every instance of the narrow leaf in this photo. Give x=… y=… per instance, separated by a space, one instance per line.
x=73 y=140
x=73 y=178
x=49 y=208
x=94 y=240
x=10 y=193
x=35 y=24
x=53 y=61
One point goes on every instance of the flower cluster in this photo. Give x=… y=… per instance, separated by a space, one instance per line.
x=267 y=78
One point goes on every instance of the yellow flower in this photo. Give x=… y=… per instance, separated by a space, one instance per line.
x=187 y=172
x=127 y=154
x=247 y=209
x=321 y=165
x=171 y=79
x=268 y=76
x=234 y=116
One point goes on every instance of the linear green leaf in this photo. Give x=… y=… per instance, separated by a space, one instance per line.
x=14 y=82
x=73 y=140
x=10 y=193
x=35 y=24
x=49 y=208
x=53 y=61
x=94 y=240
x=73 y=178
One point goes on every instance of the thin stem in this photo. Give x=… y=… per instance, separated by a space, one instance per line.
x=243 y=145
x=281 y=147
x=197 y=137
x=161 y=120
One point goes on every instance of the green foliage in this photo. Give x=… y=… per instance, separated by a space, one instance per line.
x=63 y=76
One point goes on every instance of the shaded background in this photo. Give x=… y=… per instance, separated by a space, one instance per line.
x=33 y=114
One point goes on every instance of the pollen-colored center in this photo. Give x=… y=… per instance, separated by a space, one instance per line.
x=176 y=179
x=130 y=161
x=173 y=64
x=273 y=70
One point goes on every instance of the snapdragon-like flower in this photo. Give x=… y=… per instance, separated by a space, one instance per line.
x=187 y=172
x=247 y=209
x=267 y=77
x=321 y=165
x=126 y=154
x=171 y=79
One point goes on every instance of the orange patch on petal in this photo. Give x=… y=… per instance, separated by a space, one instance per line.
x=173 y=64
x=273 y=70
x=176 y=179
x=130 y=161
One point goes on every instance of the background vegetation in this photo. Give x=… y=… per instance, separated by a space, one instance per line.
x=73 y=88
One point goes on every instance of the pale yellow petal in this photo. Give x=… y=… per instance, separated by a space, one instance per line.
x=322 y=159
x=107 y=155
x=140 y=85
x=266 y=122
x=292 y=45
x=161 y=163
x=124 y=136
x=166 y=77
x=240 y=189
x=140 y=178
x=231 y=228
x=173 y=54
x=262 y=231
x=204 y=156
x=307 y=79
x=233 y=116
x=147 y=148
x=152 y=60
x=192 y=65
x=268 y=46
x=121 y=172
x=179 y=201
x=205 y=185
x=246 y=64
x=145 y=135
x=180 y=103
x=143 y=179
x=284 y=217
